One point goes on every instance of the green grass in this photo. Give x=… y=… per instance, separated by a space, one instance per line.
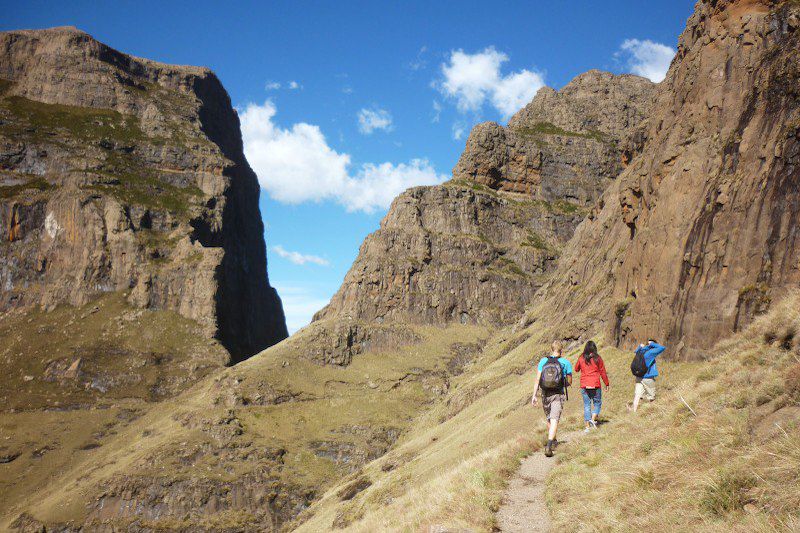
x=727 y=492
x=547 y=128
x=39 y=121
x=108 y=337
x=472 y=185
x=511 y=266
x=135 y=184
x=534 y=240
x=563 y=206
x=386 y=387
x=560 y=207
x=67 y=126
x=33 y=184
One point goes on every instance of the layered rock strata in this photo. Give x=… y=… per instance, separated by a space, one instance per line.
x=123 y=174
x=564 y=145
x=701 y=230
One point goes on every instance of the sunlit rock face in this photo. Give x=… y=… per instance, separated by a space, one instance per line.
x=477 y=248
x=123 y=174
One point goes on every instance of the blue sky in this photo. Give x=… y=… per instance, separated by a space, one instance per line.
x=344 y=104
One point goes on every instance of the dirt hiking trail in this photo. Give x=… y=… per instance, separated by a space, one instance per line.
x=523 y=509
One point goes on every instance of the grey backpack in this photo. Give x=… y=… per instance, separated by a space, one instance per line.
x=552 y=375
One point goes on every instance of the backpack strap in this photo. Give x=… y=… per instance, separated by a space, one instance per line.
x=650 y=365
x=563 y=376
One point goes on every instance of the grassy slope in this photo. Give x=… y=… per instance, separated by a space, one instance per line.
x=382 y=388
x=702 y=469
x=137 y=356
x=450 y=468
x=733 y=464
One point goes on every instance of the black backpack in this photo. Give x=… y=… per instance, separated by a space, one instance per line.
x=639 y=367
x=552 y=375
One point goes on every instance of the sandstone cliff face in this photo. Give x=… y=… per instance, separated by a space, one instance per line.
x=123 y=174
x=453 y=253
x=701 y=230
x=475 y=250
x=564 y=145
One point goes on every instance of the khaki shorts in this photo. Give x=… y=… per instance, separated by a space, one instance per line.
x=552 y=405
x=645 y=388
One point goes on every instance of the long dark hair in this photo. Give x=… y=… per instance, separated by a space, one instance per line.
x=590 y=351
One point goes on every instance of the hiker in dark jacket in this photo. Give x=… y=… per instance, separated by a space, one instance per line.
x=592 y=370
x=553 y=398
x=646 y=385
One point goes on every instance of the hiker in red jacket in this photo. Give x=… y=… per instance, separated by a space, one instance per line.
x=592 y=370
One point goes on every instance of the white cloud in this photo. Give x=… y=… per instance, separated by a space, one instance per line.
x=299 y=305
x=378 y=185
x=297 y=258
x=458 y=130
x=419 y=62
x=647 y=58
x=514 y=91
x=347 y=89
x=296 y=165
x=272 y=86
x=370 y=120
x=293 y=85
x=437 y=111
x=473 y=79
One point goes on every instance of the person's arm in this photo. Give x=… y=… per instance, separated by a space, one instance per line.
x=536 y=387
x=569 y=380
x=655 y=349
x=568 y=372
x=603 y=373
x=578 y=367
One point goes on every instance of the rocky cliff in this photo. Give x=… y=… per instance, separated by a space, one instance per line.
x=564 y=145
x=123 y=174
x=700 y=232
x=477 y=248
x=453 y=253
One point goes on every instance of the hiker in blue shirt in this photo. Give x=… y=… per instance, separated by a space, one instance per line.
x=646 y=385
x=553 y=376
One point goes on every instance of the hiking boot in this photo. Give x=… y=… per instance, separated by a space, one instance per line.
x=586 y=429
x=548 y=449
x=555 y=443
x=593 y=424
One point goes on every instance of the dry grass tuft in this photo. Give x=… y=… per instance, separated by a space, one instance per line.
x=733 y=464
x=793 y=382
x=729 y=491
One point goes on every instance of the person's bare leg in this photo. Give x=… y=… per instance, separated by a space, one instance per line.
x=551 y=434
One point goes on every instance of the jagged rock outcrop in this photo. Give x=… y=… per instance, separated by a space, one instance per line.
x=564 y=145
x=701 y=230
x=452 y=253
x=123 y=174
x=477 y=248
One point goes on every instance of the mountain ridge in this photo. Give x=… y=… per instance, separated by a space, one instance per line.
x=161 y=155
